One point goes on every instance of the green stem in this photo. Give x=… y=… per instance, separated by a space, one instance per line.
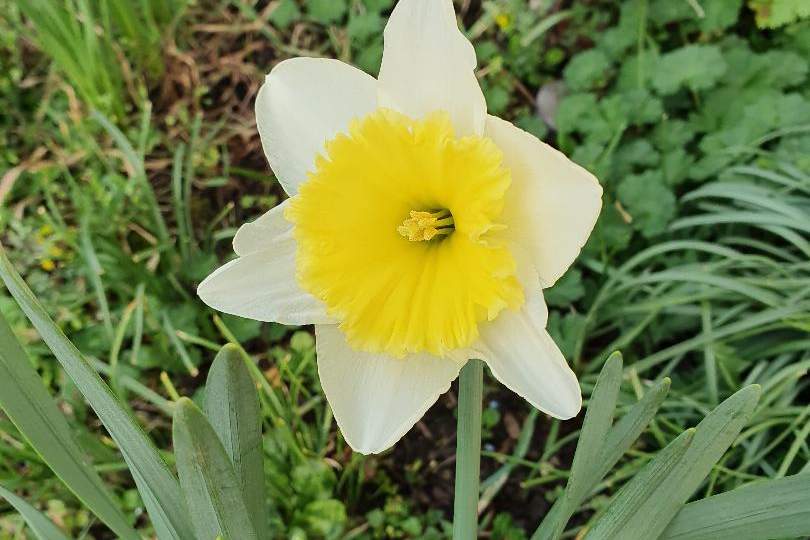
x=468 y=451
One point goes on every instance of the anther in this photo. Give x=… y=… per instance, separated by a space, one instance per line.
x=423 y=226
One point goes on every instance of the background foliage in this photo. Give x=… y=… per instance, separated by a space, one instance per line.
x=129 y=155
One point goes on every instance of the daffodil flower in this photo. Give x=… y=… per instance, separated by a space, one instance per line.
x=419 y=231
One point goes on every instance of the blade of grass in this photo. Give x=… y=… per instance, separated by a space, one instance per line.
x=756 y=321
x=137 y=388
x=495 y=482
x=137 y=333
x=94 y=272
x=139 y=175
x=179 y=202
x=43 y=528
x=29 y=406
x=188 y=179
x=156 y=483
x=798 y=442
x=709 y=360
x=182 y=352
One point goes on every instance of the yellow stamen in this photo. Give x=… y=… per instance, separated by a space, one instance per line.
x=424 y=226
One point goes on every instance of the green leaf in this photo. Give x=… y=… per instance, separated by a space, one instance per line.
x=576 y=112
x=672 y=134
x=707 y=15
x=619 y=439
x=618 y=520
x=370 y=56
x=29 y=406
x=533 y=124
x=597 y=423
x=567 y=290
x=364 y=26
x=696 y=67
x=776 y=13
x=43 y=528
x=212 y=491
x=233 y=409
x=598 y=419
x=719 y=14
x=326 y=11
x=633 y=156
x=615 y=41
x=587 y=70
x=497 y=96
x=566 y=329
x=772 y=69
x=644 y=517
x=768 y=111
x=156 y=483
x=649 y=201
x=378 y=5
x=285 y=13
x=632 y=107
x=627 y=430
x=327 y=517
x=612 y=232
x=664 y=12
x=771 y=509
x=676 y=165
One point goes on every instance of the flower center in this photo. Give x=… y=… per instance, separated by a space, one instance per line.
x=397 y=231
x=424 y=226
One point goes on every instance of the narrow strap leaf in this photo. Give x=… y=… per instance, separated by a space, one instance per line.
x=28 y=405
x=712 y=438
x=619 y=439
x=618 y=520
x=597 y=423
x=156 y=483
x=771 y=509
x=213 y=493
x=627 y=430
x=595 y=427
x=43 y=528
x=233 y=409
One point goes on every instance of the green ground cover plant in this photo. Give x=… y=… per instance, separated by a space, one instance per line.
x=128 y=156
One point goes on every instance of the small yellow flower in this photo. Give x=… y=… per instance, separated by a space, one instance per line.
x=48 y=265
x=419 y=231
x=503 y=20
x=42 y=233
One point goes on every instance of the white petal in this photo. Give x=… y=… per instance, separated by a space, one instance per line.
x=261 y=285
x=376 y=398
x=521 y=354
x=303 y=103
x=551 y=206
x=429 y=65
x=260 y=233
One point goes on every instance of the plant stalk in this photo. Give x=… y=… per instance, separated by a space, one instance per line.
x=468 y=451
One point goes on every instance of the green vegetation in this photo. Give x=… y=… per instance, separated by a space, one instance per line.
x=128 y=157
